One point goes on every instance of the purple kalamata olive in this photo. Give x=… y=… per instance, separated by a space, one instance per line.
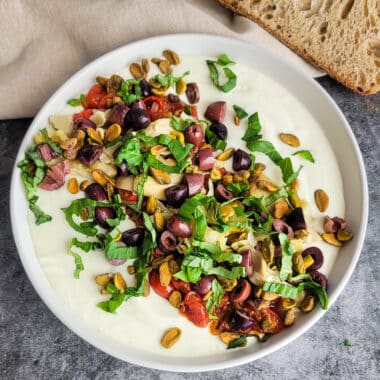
x=204 y=159
x=222 y=194
x=240 y=160
x=168 y=241
x=204 y=285
x=136 y=118
x=89 y=154
x=241 y=291
x=317 y=256
x=104 y=213
x=194 y=182
x=83 y=123
x=192 y=92
x=96 y=192
x=335 y=224
x=220 y=130
x=340 y=223
x=240 y=321
x=179 y=227
x=146 y=88
x=133 y=237
x=117 y=114
x=194 y=135
x=139 y=104
x=173 y=98
x=279 y=225
x=216 y=111
x=296 y=219
x=246 y=261
x=122 y=169
x=117 y=262
x=320 y=278
x=176 y=195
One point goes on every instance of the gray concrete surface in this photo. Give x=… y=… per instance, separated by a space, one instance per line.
x=35 y=345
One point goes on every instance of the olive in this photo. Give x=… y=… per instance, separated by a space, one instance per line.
x=317 y=256
x=240 y=321
x=216 y=111
x=82 y=124
x=122 y=169
x=222 y=194
x=136 y=118
x=220 y=130
x=176 y=195
x=179 y=227
x=241 y=160
x=296 y=219
x=96 y=192
x=117 y=114
x=204 y=285
x=146 y=88
x=89 y=154
x=168 y=241
x=320 y=278
x=192 y=92
x=335 y=224
x=195 y=183
x=241 y=291
x=104 y=213
x=133 y=237
x=279 y=225
x=194 y=135
x=204 y=159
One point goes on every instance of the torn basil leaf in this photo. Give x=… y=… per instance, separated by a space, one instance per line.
x=305 y=154
x=240 y=112
x=222 y=61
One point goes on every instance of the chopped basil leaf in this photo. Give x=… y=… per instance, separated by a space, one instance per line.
x=155 y=163
x=215 y=297
x=288 y=174
x=238 y=187
x=233 y=274
x=254 y=202
x=74 y=102
x=55 y=147
x=130 y=91
x=253 y=130
x=282 y=193
x=179 y=152
x=279 y=288
x=265 y=147
x=238 y=342
x=169 y=80
x=130 y=152
x=286 y=257
x=40 y=216
x=301 y=277
x=84 y=246
x=240 y=112
x=117 y=298
x=214 y=140
x=223 y=60
x=179 y=124
x=305 y=154
x=317 y=289
x=140 y=186
x=200 y=224
x=188 y=110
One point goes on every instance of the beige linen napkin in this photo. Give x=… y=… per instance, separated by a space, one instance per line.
x=43 y=42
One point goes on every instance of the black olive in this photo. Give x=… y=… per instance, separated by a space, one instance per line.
x=136 y=118
x=222 y=194
x=176 y=195
x=146 y=89
x=240 y=160
x=240 y=321
x=296 y=219
x=220 y=130
x=168 y=242
x=82 y=124
x=104 y=213
x=133 y=237
x=89 y=154
x=96 y=192
x=117 y=114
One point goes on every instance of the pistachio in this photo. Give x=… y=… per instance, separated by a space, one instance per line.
x=308 y=261
x=156 y=60
x=258 y=292
x=171 y=56
x=159 y=220
x=173 y=266
x=180 y=87
x=228 y=178
x=113 y=84
x=146 y=289
x=226 y=283
x=290 y=317
x=307 y=304
x=84 y=184
x=69 y=144
x=84 y=213
x=175 y=298
x=112 y=132
x=280 y=209
x=178 y=135
x=224 y=156
x=241 y=176
x=94 y=135
x=288 y=303
x=119 y=282
x=165 y=275
x=300 y=234
x=213 y=327
x=154 y=83
x=159 y=91
x=102 y=279
x=145 y=65
x=164 y=67
x=102 y=81
x=215 y=174
x=228 y=337
x=331 y=239
x=258 y=168
x=137 y=71
x=266 y=185
x=266 y=296
x=236 y=120
x=170 y=337
x=151 y=205
x=73 y=185
x=110 y=189
x=344 y=235
x=321 y=200
x=158 y=149
x=161 y=176
x=191 y=169
x=159 y=260
x=290 y=139
x=103 y=292
x=206 y=146
x=131 y=269
x=298 y=263
x=101 y=178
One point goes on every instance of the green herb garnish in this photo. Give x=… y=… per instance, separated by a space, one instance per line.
x=240 y=112
x=215 y=297
x=222 y=62
x=74 y=102
x=130 y=91
x=305 y=154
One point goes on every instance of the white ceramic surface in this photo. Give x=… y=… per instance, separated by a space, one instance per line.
x=299 y=85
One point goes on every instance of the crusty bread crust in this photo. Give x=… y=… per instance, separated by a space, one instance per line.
x=364 y=77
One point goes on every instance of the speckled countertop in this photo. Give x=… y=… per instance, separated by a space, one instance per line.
x=34 y=344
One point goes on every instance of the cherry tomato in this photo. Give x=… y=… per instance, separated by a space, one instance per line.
x=271 y=322
x=219 y=310
x=155 y=106
x=194 y=111
x=127 y=196
x=84 y=114
x=154 y=281
x=194 y=310
x=181 y=286
x=97 y=97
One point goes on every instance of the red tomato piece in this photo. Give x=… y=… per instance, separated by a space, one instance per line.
x=194 y=310
x=181 y=286
x=97 y=97
x=219 y=310
x=271 y=322
x=154 y=281
x=84 y=114
x=127 y=196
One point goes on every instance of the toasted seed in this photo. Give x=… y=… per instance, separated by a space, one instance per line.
x=94 y=135
x=119 y=282
x=131 y=269
x=161 y=176
x=137 y=71
x=154 y=83
x=267 y=296
x=164 y=67
x=344 y=235
x=156 y=60
x=102 y=178
x=173 y=266
x=227 y=337
x=102 y=279
x=225 y=155
x=175 y=298
x=213 y=327
x=290 y=317
x=159 y=220
x=228 y=178
x=170 y=337
x=288 y=303
x=241 y=176
x=84 y=184
x=321 y=200
x=307 y=304
x=298 y=263
x=180 y=87
x=171 y=56
x=308 y=261
x=165 y=275
x=236 y=120
x=145 y=65
x=73 y=186
x=112 y=132
x=69 y=144
x=263 y=184
x=151 y=205
x=159 y=91
x=110 y=189
x=290 y=139
x=280 y=209
x=159 y=260
x=259 y=168
x=215 y=174
x=331 y=239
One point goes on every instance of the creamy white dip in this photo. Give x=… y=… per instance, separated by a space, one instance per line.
x=140 y=322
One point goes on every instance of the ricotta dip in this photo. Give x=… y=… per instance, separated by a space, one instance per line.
x=140 y=322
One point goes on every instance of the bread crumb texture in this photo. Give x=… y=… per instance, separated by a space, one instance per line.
x=340 y=36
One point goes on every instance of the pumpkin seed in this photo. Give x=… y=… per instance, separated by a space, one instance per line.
x=224 y=156
x=290 y=139
x=321 y=200
x=119 y=282
x=331 y=239
x=344 y=235
x=102 y=279
x=171 y=56
x=73 y=186
x=112 y=132
x=161 y=176
x=164 y=67
x=170 y=337
x=175 y=299
x=165 y=275
x=136 y=70
x=93 y=135
x=280 y=209
x=227 y=337
x=180 y=87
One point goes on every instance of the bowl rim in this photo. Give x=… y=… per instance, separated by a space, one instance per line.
x=52 y=302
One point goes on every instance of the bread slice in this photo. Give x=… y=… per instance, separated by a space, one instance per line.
x=342 y=37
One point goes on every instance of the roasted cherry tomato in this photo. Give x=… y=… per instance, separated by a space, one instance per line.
x=154 y=281
x=270 y=322
x=127 y=196
x=195 y=310
x=97 y=97
x=182 y=286
x=219 y=310
x=155 y=106
x=84 y=114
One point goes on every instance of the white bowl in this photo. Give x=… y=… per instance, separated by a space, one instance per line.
x=313 y=97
